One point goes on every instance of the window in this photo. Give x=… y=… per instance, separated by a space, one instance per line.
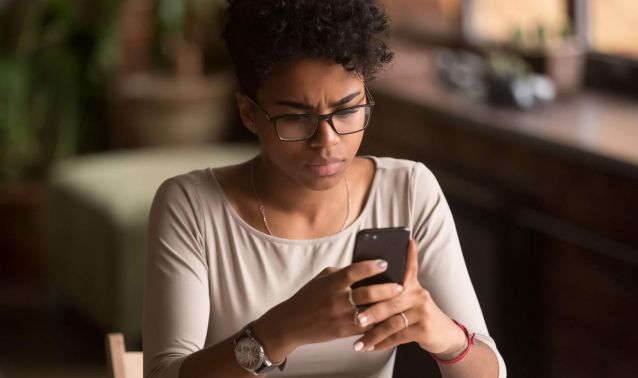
x=432 y=18
x=611 y=26
x=524 y=22
x=604 y=29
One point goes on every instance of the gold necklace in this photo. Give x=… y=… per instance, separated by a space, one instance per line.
x=262 y=209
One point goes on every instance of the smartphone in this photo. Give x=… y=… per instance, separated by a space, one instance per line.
x=389 y=244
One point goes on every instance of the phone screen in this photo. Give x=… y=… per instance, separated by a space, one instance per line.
x=389 y=244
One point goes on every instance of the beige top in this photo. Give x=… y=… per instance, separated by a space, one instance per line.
x=208 y=272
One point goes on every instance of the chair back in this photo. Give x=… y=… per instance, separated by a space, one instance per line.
x=122 y=364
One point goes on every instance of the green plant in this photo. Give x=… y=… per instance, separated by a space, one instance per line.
x=53 y=55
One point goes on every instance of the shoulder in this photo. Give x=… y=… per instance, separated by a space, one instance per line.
x=190 y=181
x=409 y=181
x=188 y=188
x=413 y=171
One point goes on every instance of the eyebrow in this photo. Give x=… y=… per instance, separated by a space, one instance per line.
x=303 y=106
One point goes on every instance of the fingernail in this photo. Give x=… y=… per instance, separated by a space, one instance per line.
x=370 y=349
x=363 y=320
x=358 y=346
x=399 y=288
x=382 y=264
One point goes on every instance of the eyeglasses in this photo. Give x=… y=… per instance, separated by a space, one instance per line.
x=297 y=127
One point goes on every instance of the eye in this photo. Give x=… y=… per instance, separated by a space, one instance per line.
x=295 y=117
x=346 y=113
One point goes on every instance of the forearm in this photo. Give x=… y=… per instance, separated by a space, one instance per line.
x=214 y=361
x=219 y=360
x=481 y=362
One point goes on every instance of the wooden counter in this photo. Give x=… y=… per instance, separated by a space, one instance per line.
x=597 y=128
x=546 y=203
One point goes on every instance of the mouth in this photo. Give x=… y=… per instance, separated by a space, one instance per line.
x=327 y=167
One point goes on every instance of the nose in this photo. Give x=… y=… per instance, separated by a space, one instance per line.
x=324 y=135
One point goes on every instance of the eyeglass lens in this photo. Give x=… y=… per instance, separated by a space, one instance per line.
x=302 y=126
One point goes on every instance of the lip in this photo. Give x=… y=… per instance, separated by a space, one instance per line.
x=325 y=161
x=326 y=167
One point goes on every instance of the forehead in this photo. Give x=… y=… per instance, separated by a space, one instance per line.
x=310 y=80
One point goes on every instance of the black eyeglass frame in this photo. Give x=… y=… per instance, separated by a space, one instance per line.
x=319 y=117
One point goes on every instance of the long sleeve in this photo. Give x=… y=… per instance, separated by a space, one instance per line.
x=442 y=269
x=176 y=289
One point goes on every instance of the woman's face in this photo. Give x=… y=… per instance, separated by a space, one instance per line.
x=308 y=86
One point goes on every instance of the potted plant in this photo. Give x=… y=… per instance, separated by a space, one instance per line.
x=51 y=85
x=181 y=96
x=556 y=54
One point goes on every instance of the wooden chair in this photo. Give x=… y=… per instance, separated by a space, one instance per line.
x=122 y=364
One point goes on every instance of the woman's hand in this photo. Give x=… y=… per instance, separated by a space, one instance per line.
x=321 y=310
x=426 y=323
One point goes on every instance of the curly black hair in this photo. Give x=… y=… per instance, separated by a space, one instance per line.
x=261 y=34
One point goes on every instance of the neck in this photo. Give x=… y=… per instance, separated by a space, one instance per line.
x=279 y=193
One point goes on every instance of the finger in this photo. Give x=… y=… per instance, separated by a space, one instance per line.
x=383 y=310
x=350 y=323
x=352 y=329
x=375 y=293
x=358 y=271
x=412 y=263
x=392 y=329
x=401 y=337
x=328 y=270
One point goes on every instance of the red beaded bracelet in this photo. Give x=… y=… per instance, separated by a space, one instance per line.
x=470 y=342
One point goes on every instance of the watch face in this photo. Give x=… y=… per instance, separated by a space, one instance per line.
x=249 y=353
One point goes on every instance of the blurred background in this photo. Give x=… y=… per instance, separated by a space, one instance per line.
x=524 y=110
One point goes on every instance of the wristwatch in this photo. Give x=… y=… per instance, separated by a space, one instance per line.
x=251 y=355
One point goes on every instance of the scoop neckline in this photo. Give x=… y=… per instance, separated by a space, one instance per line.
x=366 y=208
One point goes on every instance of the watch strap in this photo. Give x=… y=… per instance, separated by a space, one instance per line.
x=267 y=365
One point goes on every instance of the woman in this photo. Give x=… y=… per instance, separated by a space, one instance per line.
x=248 y=267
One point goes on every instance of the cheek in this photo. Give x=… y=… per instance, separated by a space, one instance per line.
x=352 y=143
x=286 y=155
x=265 y=131
x=282 y=154
x=274 y=148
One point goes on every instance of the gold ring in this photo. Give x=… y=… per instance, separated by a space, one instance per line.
x=350 y=299
x=405 y=319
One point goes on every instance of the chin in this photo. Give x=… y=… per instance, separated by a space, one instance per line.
x=325 y=182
